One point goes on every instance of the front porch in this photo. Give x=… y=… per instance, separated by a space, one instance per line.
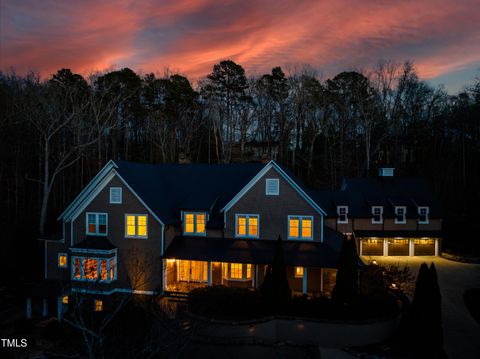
x=182 y=276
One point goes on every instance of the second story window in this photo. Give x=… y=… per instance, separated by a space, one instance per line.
x=300 y=227
x=194 y=223
x=342 y=212
x=136 y=226
x=400 y=215
x=377 y=213
x=247 y=225
x=423 y=215
x=97 y=224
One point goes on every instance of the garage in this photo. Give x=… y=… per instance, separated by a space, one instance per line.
x=398 y=247
x=424 y=247
x=372 y=247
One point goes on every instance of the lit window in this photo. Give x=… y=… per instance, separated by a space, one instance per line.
x=97 y=223
x=342 y=212
x=377 y=212
x=90 y=268
x=112 y=268
x=62 y=260
x=300 y=227
x=115 y=195
x=103 y=269
x=423 y=215
x=247 y=225
x=194 y=223
x=98 y=305
x=136 y=225
x=65 y=299
x=400 y=215
x=272 y=186
x=298 y=272
x=237 y=271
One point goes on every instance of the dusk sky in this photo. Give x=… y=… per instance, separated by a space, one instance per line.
x=442 y=37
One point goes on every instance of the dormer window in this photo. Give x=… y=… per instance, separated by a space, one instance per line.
x=423 y=213
x=400 y=215
x=342 y=212
x=194 y=223
x=377 y=212
x=272 y=186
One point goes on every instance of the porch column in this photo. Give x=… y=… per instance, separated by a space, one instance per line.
x=164 y=274
x=28 y=308
x=437 y=246
x=59 y=308
x=209 y=273
x=305 y=270
x=321 y=280
x=411 y=247
x=360 y=246
x=385 y=247
x=44 y=307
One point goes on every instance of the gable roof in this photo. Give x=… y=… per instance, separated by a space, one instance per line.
x=292 y=180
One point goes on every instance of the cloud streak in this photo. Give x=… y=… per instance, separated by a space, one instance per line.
x=441 y=36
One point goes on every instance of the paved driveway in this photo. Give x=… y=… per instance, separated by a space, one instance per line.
x=461 y=332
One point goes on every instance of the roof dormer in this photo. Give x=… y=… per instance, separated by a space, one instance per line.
x=386 y=171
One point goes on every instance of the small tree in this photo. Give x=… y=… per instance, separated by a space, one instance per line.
x=425 y=314
x=346 y=286
x=275 y=288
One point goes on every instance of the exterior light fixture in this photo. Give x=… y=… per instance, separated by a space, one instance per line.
x=374 y=262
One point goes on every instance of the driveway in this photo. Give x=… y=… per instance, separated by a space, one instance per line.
x=461 y=332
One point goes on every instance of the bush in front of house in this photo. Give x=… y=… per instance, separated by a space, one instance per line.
x=226 y=303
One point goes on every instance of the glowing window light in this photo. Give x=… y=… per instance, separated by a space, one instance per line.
x=298 y=272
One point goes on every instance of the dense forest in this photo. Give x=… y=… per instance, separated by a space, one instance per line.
x=57 y=132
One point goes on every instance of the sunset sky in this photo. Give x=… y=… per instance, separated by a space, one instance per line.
x=442 y=37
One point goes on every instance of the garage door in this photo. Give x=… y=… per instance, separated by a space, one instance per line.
x=398 y=247
x=372 y=247
x=424 y=247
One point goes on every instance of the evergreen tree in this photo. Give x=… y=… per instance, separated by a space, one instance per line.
x=346 y=286
x=275 y=288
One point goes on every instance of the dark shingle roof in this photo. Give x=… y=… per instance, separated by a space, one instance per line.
x=169 y=188
x=95 y=242
x=360 y=194
x=300 y=253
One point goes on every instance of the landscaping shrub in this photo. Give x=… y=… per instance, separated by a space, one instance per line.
x=346 y=285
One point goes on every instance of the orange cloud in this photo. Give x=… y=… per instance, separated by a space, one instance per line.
x=441 y=36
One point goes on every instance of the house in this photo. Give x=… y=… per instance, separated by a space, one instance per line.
x=148 y=229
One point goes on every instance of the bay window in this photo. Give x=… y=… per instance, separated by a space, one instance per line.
x=93 y=269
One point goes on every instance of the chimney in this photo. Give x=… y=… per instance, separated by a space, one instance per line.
x=386 y=171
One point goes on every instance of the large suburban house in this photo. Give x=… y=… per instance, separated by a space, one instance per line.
x=168 y=228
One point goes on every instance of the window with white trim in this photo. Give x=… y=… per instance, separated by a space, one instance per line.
x=62 y=260
x=400 y=215
x=98 y=305
x=300 y=227
x=377 y=214
x=136 y=226
x=97 y=223
x=247 y=225
x=342 y=212
x=423 y=213
x=194 y=223
x=94 y=269
x=115 y=195
x=237 y=271
x=272 y=186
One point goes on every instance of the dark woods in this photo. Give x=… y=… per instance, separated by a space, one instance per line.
x=55 y=134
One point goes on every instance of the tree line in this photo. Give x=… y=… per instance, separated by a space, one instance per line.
x=56 y=133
